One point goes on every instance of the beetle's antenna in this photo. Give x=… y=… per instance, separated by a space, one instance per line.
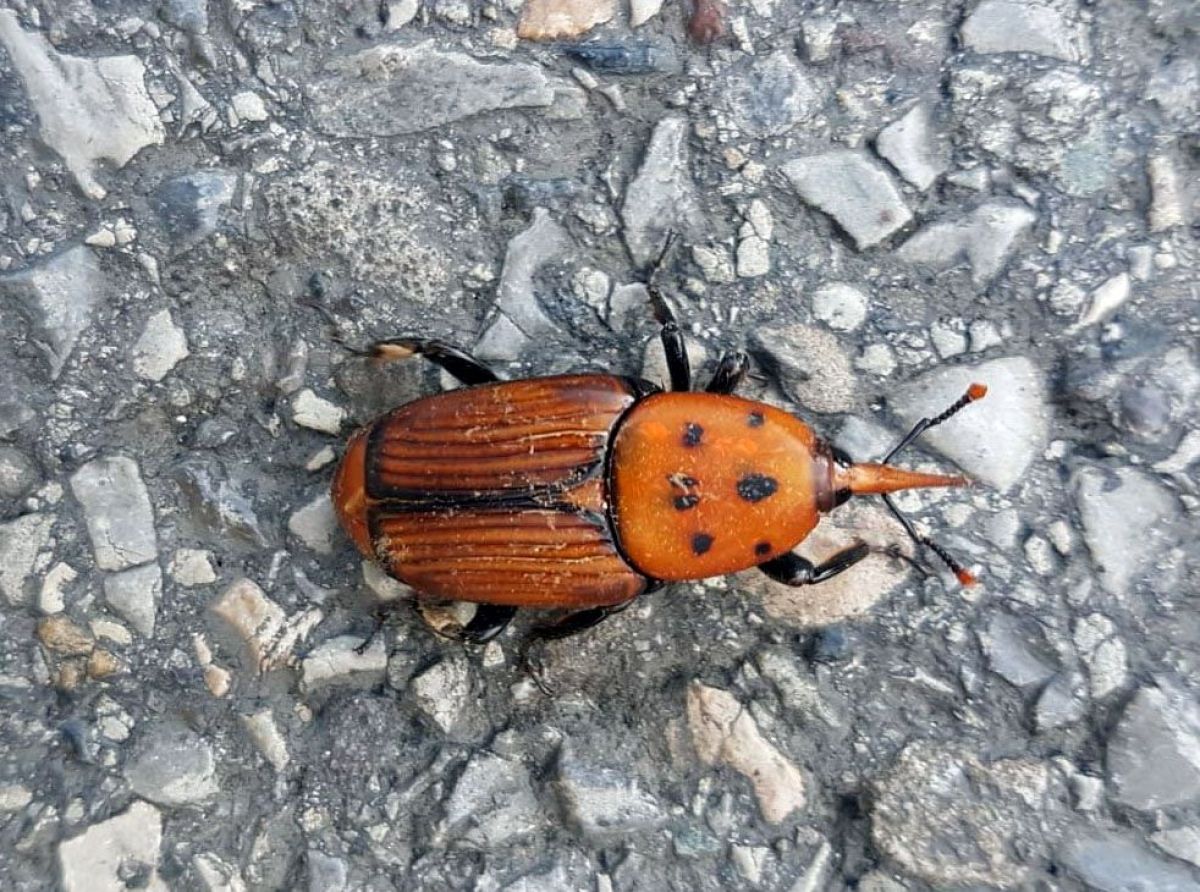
x=965 y=576
x=974 y=392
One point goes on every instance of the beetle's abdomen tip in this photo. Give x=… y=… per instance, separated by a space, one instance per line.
x=348 y=492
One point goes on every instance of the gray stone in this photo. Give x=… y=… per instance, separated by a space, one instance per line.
x=951 y=819
x=117 y=509
x=1016 y=650
x=840 y=306
x=20 y=542
x=57 y=297
x=1062 y=702
x=442 y=691
x=391 y=90
x=603 y=804
x=1154 y=751
x=18 y=473
x=492 y=804
x=339 y=661
x=1182 y=843
x=1111 y=863
x=107 y=855
x=1127 y=522
x=812 y=367
x=995 y=440
x=661 y=199
x=983 y=239
x=189 y=206
x=852 y=189
x=909 y=145
x=160 y=348
x=171 y=765
x=517 y=318
x=190 y=15
x=218 y=504
x=1002 y=26
x=767 y=96
x=326 y=873
x=135 y=594
x=88 y=110
x=1101 y=648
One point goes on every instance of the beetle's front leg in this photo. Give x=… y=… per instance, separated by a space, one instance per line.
x=463 y=366
x=791 y=569
x=731 y=370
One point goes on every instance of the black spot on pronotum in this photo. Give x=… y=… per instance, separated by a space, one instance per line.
x=683 y=503
x=762 y=549
x=755 y=419
x=701 y=543
x=756 y=487
x=692 y=433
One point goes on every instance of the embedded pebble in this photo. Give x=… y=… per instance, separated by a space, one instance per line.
x=161 y=347
x=108 y=853
x=517 y=319
x=316 y=413
x=492 y=804
x=1154 y=750
x=1127 y=522
x=984 y=239
x=267 y=632
x=88 y=110
x=908 y=144
x=338 y=661
x=1111 y=863
x=642 y=11
x=14 y=797
x=840 y=306
x=769 y=95
x=661 y=198
x=18 y=473
x=219 y=504
x=1101 y=648
x=391 y=90
x=316 y=524
x=1182 y=843
x=1062 y=702
x=603 y=804
x=58 y=297
x=265 y=733
x=1016 y=652
x=134 y=594
x=1106 y=300
x=1168 y=207
x=117 y=509
x=561 y=19
x=249 y=106
x=191 y=567
x=442 y=691
x=51 y=596
x=216 y=875
x=812 y=366
x=189 y=206
x=1002 y=26
x=724 y=733
x=385 y=587
x=171 y=765
x=994 y=440
x=20 y=542
x=852 y=189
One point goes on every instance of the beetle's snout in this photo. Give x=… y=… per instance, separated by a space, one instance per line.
x=876 y=479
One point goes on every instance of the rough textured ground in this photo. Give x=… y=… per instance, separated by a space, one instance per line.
x=880 y=201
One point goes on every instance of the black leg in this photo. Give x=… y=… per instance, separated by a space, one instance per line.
x=488 y=622
x=466 y=368
x=791 y=569
x=672 y=337
x=571 y=624
x=730 y=372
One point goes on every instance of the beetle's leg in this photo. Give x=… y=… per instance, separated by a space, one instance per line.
x=488 y=622
x=791 y=569
x=571 y=624
x=730 y=371
x=672 y=337
x=463 y=366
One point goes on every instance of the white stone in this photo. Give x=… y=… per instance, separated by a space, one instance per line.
x=265 y=734
x=249 y=106
x=268 y=633
x=316 y=524
x=134 y=594
x=994 y=440
x=1004 y=26
x=642 y=11
x=908 y=144
x=117 y=508
x=386 y=588
x=160 y=348
x=216 y=875
x=50 y=598
x=714 y=263
x=20 y=542
x=170 y=764
x=840 y=306
x=192 y=566
x=876 y=359
x=88 y=110
x=1106 y=300
x=400 y=13
x=315 y=413
x=14 y=797
x=753 y=257
x=338 y=661
x=984 y=238
x=724 y=733
x=98 y=859
x=442 y=691
x=854 y=190
x=1168 y=207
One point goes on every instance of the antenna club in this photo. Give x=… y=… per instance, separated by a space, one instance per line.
x=976 y=391
x=965 y=577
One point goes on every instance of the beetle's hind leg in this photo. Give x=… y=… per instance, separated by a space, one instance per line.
x=488 y=622
x=462 y=365
x=791 y=569
x=571 y=624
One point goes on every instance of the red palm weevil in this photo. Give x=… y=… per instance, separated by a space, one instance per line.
x=581 y=492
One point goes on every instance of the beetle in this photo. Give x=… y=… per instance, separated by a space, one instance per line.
x=581 y=492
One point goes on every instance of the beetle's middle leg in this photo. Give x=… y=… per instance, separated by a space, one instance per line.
x=791 y=569
x=462 y=365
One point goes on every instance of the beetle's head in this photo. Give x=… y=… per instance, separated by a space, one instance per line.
x=843 y=477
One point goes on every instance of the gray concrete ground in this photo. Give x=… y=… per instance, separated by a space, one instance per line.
x=881 y=202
